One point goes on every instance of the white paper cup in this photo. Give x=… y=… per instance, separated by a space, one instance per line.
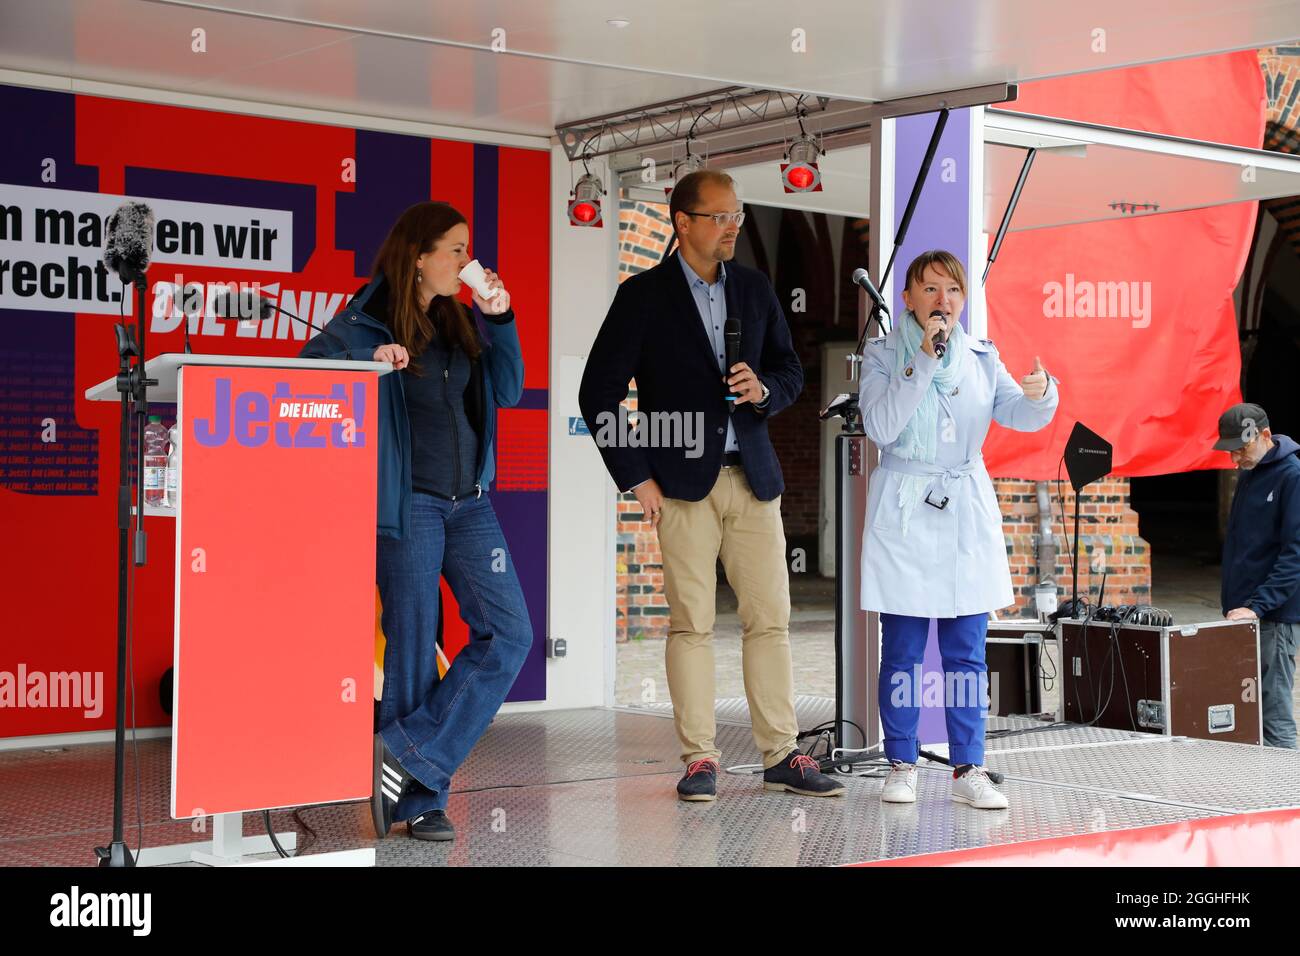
x=474 y=276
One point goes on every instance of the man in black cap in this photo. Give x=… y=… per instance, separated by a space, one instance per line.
x=1261 y=556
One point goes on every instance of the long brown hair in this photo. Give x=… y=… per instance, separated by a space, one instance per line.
x=414 y=234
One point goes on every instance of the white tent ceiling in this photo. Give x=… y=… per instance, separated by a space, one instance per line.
x=1072 y=184
x=432 y=61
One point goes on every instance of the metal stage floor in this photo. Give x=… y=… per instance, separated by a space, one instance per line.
x=595 y=788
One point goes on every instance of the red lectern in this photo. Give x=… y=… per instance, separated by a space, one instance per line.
x=275 y=592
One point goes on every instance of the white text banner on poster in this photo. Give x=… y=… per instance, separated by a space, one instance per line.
x=52 y=243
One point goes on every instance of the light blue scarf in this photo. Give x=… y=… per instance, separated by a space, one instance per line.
x=919 y=438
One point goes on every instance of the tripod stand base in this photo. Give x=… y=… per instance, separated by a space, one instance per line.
x=116 y=854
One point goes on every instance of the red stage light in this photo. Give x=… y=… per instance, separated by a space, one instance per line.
x=799 y=172
x=800 y=177
x=584 y=203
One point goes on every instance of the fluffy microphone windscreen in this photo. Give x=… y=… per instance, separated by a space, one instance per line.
x=130 y=240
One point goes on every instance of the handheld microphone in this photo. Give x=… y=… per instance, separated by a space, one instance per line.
x=731 y=333
x=130 y=241
x=939 y=345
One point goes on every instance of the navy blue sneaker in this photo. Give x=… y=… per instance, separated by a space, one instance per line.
x=432 y=825
x=389 y=783
x=700 y=781
x=799 y=773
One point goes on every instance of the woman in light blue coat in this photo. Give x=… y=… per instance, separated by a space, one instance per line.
x=932 y=543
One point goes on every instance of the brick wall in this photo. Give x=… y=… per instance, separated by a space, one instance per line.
x=643 y=232
x=796 y=436
x=642 y=611
x=1106 y=524
x=1280 y=66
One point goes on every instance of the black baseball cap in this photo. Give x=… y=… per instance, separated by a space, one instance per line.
x=1239 y=425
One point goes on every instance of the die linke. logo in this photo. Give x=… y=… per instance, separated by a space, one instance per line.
x=254 y=418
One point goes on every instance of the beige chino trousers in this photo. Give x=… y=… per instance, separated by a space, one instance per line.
x=749 y=537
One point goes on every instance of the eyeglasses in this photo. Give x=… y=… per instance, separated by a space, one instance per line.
x=721 y=218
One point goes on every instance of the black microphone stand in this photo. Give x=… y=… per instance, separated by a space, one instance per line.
x=850 y=430
x=133 y=387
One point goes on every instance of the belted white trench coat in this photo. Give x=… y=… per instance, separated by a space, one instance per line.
x=952 y=561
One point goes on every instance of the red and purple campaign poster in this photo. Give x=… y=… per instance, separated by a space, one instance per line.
x=300 y=209
x=275 y=533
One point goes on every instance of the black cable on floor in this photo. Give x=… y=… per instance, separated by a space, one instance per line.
x=298 y=819
x=270 y=831
x=1021 y=731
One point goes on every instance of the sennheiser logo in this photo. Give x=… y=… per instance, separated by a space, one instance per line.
x=77 y=909
x=1090 y=451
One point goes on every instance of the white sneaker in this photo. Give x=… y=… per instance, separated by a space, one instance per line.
x=976 y=789
x=900 y=785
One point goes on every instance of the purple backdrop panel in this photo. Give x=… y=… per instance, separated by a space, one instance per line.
x=941 y=221
x=523 y=515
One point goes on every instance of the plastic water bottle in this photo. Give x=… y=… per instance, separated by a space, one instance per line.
x=155 y=461
x=174 y=468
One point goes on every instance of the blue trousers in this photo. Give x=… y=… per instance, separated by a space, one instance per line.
x=430 y=725
x=965 y=686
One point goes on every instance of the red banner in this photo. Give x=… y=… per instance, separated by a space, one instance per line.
x=300 y=209
x=1152 y=383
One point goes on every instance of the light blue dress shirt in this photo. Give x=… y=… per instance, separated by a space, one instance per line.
x=711 y=300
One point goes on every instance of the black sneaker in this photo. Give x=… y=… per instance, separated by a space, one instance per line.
x=390 y=781
x=799 y=773
x=433 y=825
x=700 y=781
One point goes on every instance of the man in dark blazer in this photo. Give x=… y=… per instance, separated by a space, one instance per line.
x=702 y=466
